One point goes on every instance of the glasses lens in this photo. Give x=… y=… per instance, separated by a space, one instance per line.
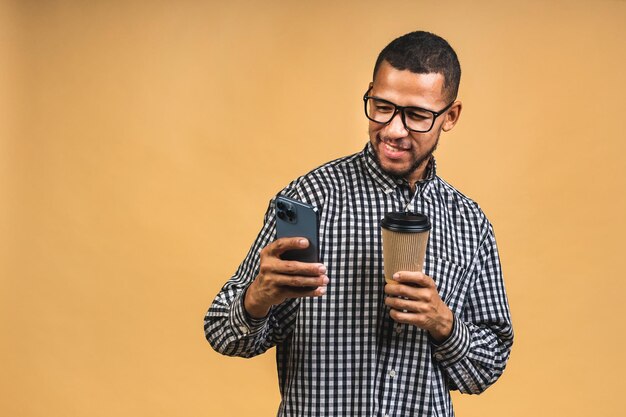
x=418 y=119
x=379 y=111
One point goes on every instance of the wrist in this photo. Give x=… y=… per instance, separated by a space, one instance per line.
x=253 y=306
x=443 y=329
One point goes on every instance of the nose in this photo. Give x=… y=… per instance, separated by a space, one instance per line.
x=395 y=129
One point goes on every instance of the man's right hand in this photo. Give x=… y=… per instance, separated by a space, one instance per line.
x=279 y=280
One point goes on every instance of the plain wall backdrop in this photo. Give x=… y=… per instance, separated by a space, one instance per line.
x=140 y=142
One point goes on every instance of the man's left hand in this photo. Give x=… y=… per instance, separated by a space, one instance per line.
x=415 y=300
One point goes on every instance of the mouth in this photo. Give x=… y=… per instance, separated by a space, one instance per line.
x=393 y=151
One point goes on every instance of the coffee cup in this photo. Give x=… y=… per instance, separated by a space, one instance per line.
x=405 y=236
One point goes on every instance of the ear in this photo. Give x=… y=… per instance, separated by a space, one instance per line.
x=452 y=116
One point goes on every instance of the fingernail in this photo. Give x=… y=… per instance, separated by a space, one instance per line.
x=302 y=242
x=322 y=290
x=326 y=280
x=322 y=269
x=396 y=276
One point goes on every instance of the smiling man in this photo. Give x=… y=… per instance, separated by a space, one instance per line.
x=347 y=343
x=404 y=145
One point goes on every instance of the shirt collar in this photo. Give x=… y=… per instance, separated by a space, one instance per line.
x=387 y=182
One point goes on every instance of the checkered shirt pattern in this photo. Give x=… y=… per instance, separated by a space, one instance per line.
x=341 y=354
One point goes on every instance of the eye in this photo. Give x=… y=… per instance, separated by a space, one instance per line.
x=384 y=108
x=417 y=114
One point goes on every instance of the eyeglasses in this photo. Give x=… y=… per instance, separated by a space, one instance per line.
x=415 y=119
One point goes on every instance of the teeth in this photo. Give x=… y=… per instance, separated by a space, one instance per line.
x=391 y=148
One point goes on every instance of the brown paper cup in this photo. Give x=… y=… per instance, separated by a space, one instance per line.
x=405 y=237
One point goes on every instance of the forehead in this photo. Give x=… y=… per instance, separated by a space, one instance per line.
x=407 y=88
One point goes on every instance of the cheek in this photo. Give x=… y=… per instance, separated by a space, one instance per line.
x=373 y=130
x=424 y=139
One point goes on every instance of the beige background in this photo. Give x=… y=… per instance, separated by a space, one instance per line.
x=141 y=141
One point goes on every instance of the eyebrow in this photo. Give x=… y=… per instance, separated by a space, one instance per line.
x=404 y=107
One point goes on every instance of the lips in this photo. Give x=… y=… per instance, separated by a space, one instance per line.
x=393 y=151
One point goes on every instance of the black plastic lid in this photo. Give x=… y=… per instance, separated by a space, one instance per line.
x=405 y=222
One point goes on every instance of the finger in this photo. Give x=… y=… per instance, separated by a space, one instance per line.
x=406 y=318
x=414 y=278
x=302 y=282
x=414 y=293
x=272 y=263
x=299 y=268
x=316 y=292
x=402 y=304
x=279 y=246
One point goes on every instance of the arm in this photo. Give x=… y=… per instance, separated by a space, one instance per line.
x=473 y=346
x=478 y=348
x=256 y=308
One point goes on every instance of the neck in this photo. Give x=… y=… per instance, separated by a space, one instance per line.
x=417 y=174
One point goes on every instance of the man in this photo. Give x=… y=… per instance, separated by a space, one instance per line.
x=354 y=346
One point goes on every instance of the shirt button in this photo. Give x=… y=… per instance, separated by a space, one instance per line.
x=438 y=356
x=243 y=329
x=398 y=328
x=392 y=373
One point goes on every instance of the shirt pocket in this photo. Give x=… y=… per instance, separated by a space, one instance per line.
x=448 y=276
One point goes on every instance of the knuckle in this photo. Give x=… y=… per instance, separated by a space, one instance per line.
x=396 y=289
x=265 y=265
x=279 y=244
x=286 y=266
x=292 y=266
x=403 y=292
x=306 y=282
x=266 y=252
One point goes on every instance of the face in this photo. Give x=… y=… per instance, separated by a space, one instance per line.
x=400 y=152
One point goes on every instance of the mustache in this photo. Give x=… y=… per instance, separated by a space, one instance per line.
x=403 y=144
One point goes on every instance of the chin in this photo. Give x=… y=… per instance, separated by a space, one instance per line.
x=395 y=170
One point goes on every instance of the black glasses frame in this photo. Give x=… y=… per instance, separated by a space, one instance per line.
x=401 y=110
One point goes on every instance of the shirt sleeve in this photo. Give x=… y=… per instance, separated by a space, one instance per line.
x=228 y=327
x=476 y=352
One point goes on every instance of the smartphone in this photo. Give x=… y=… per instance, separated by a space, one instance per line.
x=297 y=219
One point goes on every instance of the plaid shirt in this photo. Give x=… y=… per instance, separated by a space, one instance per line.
x=341 y=354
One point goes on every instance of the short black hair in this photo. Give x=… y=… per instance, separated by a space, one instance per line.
x=424 y=53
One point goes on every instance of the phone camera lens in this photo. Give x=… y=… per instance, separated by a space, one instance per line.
x=281 y=215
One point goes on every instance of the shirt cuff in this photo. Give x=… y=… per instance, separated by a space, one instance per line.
x=242 y=323
x=455 y=347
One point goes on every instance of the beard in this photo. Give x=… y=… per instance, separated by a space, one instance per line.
x=424 y=158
